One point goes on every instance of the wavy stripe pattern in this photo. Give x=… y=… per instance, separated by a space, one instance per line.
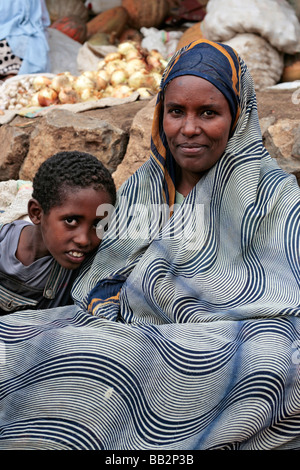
x=196 y=344
x=76 y=381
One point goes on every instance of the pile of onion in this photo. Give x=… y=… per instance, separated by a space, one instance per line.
x=130 y=68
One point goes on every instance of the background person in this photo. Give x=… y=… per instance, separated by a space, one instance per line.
x=23 y=43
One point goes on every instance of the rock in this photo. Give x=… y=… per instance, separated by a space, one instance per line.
x=138 y=149
x=120 y=135
x=120 y=116
x=62 y=130
x=283 y=142
x=14 y=148
x=265 y=123
x=280 y=127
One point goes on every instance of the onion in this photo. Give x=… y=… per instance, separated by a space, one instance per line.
x=89 y=74
x=112 y=56
x=114 y=65
x=47 y=96
x=35 y=100
x=101 y=83
x=145 y=92
x=102 y=79
x=108 y=91
x=83 y=82
x=121 y=91
x=40 y=82
x=118 y=77
x=133 y=65
x=153 y=80
x=87 y=94
x=68 y=95
x=133 y=54
x=154 y=62
x=60 y=81
x=138 y=79
x=103 y=74
x=126 y=47
x=101 y=64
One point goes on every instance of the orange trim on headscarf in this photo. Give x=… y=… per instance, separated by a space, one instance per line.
x=220 y=48
x=155 y=133
x=156 y=138
x=103 y=302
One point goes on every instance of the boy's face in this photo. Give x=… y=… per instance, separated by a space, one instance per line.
x=69 y=231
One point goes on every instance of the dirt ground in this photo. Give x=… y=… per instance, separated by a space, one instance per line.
x=121 y=116
x=278 y=103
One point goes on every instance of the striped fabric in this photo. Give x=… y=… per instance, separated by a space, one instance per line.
x=186 y=329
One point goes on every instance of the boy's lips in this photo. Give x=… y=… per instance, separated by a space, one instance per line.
x=76 y=256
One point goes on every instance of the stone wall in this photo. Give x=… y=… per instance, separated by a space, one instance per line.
x=279 y=117
x=120 y=136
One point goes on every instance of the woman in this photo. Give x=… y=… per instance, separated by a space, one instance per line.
x=193 y=341
x=206 y=150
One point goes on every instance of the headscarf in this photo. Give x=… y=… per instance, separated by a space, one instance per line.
x=217 y=63
x=250 y=212
x=223 y=311
x=179 y=340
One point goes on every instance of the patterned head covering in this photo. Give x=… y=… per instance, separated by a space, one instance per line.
x=217 y=63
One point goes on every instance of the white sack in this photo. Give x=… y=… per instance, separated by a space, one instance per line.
x=63 y=52
x=89 y=56
x=265 y=63
x=164 y=42
x=274 y=20
x=14 y=197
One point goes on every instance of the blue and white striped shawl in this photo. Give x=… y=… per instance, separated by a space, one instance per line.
x=205 y=351
x=241 y=257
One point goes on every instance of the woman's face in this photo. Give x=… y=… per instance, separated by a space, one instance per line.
x=197 y=122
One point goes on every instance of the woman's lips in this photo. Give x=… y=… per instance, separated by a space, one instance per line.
x=191 y=148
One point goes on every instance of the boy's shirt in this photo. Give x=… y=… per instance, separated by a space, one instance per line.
x=43 y=284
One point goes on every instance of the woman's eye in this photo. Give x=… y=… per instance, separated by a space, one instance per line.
x=175 y=111
x=209 y=113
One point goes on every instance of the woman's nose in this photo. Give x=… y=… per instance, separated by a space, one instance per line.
x=191 y=126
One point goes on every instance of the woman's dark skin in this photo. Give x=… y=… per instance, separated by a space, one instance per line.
x=197 y=122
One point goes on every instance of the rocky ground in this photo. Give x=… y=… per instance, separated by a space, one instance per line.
x=120 y=135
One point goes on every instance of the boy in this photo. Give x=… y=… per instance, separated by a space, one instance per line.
x=40 y=260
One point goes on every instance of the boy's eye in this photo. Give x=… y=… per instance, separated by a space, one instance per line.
x=71 y=220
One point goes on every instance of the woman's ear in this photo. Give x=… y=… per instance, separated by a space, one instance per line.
x=34 y=211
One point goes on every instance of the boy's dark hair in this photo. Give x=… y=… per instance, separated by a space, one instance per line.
x=70 y=169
